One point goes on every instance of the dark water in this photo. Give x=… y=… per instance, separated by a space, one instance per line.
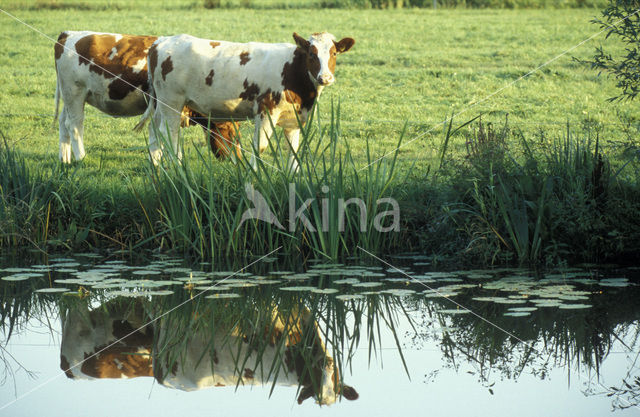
x=163 y=338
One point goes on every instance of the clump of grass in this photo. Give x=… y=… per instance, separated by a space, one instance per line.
x=533 y=204
x=202 y=205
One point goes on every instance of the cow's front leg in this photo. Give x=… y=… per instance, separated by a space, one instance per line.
x=261 y=135
x=293 y=137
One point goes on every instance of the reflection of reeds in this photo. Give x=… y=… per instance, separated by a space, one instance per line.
x=570 y=339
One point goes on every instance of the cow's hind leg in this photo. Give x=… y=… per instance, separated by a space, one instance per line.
x=74 y=120
x=65 y=138
x=167 y=127
x=263 y=131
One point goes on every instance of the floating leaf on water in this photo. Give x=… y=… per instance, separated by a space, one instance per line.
x=325 y=290
x=66 y=265
x=398 y=292
x=349 y=297
x=268 y=281
x=346 y=281
x=366 y=284
x=66 y=270
x=510 y=301
x=440 y=294
x=52 y=290
x=178 y=270
x=89 y=255
x=212 y=288
x=222 y=295
x=574 y=306
x=572 y=297
x=296 y=277
x=15 y=270
x=146 y=272
x=517 y=313
x=241 y=284
x=586 y=281
x=454 y=311
x=72 y=281
x=489 y=299
x=373 y=274
x=614 y=282
x=159 y=292
x=281 y=272
x=298 y=288
x=16 y=277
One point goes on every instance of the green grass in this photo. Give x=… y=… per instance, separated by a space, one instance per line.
x=416 y=66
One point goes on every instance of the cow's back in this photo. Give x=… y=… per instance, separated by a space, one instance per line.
x=109 y=69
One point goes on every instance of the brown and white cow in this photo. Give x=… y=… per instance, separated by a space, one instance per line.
x=273 y=84
x=107 y=342
x=109 y=71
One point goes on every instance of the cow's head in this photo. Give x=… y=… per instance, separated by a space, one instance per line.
x=325 y=384
x=321 y=50
x=317 y=372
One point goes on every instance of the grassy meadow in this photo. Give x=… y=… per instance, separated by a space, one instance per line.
x=409 y=71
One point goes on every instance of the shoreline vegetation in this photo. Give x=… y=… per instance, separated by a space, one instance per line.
x=508 y=199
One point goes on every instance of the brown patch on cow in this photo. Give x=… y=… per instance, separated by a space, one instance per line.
x=95 y=50
x=244 y=58
x=214 y=44
x=58 y=48
x=248 y=373
x=298 y=88
x=209 y=79
x=222 y=138
x=65 y=366
x=153 y=58
x=167 y=67
x=268 y=100
x=250 y=92
x=332 y=59
x=313 y=62
x=116 y=361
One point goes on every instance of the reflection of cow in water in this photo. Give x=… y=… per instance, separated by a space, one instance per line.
x=238 y=358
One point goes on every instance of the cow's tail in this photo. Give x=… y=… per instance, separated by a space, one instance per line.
x=151 y=106
x=57 y=98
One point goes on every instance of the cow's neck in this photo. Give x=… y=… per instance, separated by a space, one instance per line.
x=297 y=80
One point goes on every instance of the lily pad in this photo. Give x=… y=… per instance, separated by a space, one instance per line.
x=574 y=306
x=325 y=290
x=222 y=295
x=52 y=290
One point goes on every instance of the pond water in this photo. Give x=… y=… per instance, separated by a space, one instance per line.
x=85 y=335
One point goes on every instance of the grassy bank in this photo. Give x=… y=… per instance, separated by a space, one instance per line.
x=510 y=198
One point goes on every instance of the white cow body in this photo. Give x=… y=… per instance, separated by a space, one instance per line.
x=109 y=71
x=269 y=83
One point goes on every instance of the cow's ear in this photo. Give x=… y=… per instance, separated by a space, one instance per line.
x=307 y=392
x=301 y=42
x=344 y=45
x=349 y=393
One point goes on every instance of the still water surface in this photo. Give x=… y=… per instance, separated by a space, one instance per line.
x=87 y=336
